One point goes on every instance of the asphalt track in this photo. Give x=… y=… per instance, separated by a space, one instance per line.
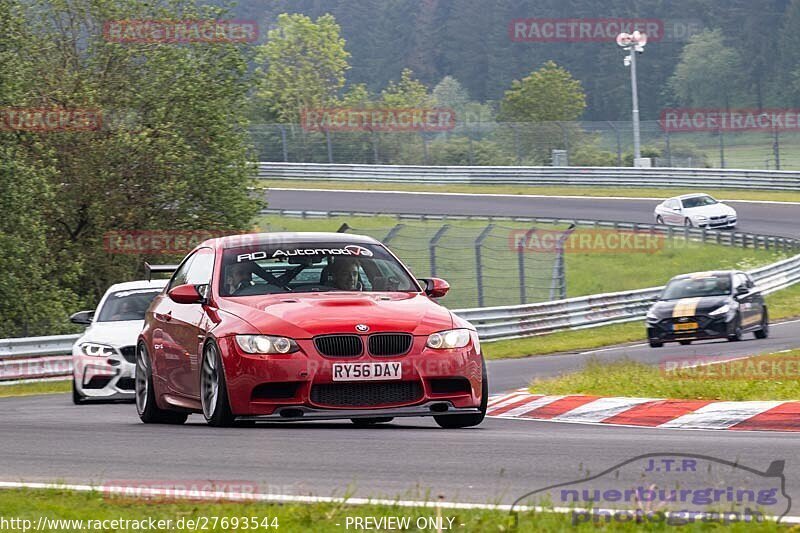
x=46 y=438
x=761 y=218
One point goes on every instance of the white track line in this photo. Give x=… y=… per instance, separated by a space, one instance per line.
x=496 y=195
x=287 y=498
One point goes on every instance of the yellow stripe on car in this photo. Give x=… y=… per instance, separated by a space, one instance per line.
x=685 y=307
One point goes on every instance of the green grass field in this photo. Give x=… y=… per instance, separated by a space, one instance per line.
x=567 y=190
x=586 y=273
x=768 y=377
x=65 y=505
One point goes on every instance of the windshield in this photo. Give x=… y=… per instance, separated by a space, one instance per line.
x=127 y=305
x=698 y=201
x=312 y=267
x=697 y=287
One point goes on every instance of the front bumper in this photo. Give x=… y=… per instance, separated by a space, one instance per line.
x=295 y=414
x=721 y=223
x=708 y=328
x=104 y=378
x=302 y=382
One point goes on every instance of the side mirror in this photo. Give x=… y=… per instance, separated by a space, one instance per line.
x=186 y=294
x=82 y=317
x=435 y=287
x=742 y=290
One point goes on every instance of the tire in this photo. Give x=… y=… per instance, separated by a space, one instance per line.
x=736 y=336
x=145 y=396
x=213 y=389
x=659 y=220
x=656 y=344
x=685 y=343
x=763 y=333
x=77 y=397
x=366 y=422
x=464 y=421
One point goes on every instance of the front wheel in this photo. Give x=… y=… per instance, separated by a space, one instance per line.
x=465 y=421
x=146 y=406
x=77 y=397
x=656 y=344
x=688 y=222
x=685 y=343
x=213 y=389
x=763 y=332
x=659 y=220
x=736 y=334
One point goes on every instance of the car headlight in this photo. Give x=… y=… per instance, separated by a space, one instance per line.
x=651 y=315
x=266 y=344
x=96 y=350
x=445 y=340
x=720 y=310
x=700 y=217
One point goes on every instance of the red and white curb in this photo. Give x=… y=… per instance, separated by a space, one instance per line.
x=648 y=412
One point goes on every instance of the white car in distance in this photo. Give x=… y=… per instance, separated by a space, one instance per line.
x=696 y=211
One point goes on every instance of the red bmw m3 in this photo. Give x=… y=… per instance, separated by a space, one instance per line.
x=305 y=326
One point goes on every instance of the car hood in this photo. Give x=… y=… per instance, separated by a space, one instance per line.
x=307 y=315
x=711 y=210
x=117 y=334
x=688 y=306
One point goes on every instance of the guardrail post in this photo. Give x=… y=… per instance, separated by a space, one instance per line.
x=432 y=247
x=479 y=261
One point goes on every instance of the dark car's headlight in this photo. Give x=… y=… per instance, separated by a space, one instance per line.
x=652 y=316
x=94 y=349
x=266 y=344
x=452 y=338
x=720 y=310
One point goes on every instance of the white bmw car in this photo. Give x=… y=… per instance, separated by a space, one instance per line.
x=696 y=211
x=104 y=356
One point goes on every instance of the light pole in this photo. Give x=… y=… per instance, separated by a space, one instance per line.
x=633 y=43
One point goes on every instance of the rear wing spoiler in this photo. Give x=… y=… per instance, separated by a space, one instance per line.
x=158 y=269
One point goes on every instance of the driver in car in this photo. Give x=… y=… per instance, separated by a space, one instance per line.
x=238 y=276
x=345 y=274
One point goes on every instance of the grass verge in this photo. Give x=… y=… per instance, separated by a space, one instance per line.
x=643 y=192
x=764 y=377
x=43 y=387
x=66 y=505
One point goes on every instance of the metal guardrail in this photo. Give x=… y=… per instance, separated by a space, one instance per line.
x=500 y=323
x=587 y=176
x=711 y=236
x=37 y=346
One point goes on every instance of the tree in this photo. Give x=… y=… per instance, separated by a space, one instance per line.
x=172 y=152
x=547 y=95
x=407 y=92
x=305 y=65
x=450 y=93
x=709 y=73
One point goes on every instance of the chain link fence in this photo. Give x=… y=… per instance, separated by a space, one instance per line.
x=605 y=143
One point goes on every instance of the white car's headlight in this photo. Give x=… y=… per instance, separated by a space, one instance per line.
x=720 y=310
x=96 y=350
x=445 y=340
x=266 y=344
x=700 y=217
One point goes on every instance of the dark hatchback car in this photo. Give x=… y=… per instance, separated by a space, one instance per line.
x=707 y=305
